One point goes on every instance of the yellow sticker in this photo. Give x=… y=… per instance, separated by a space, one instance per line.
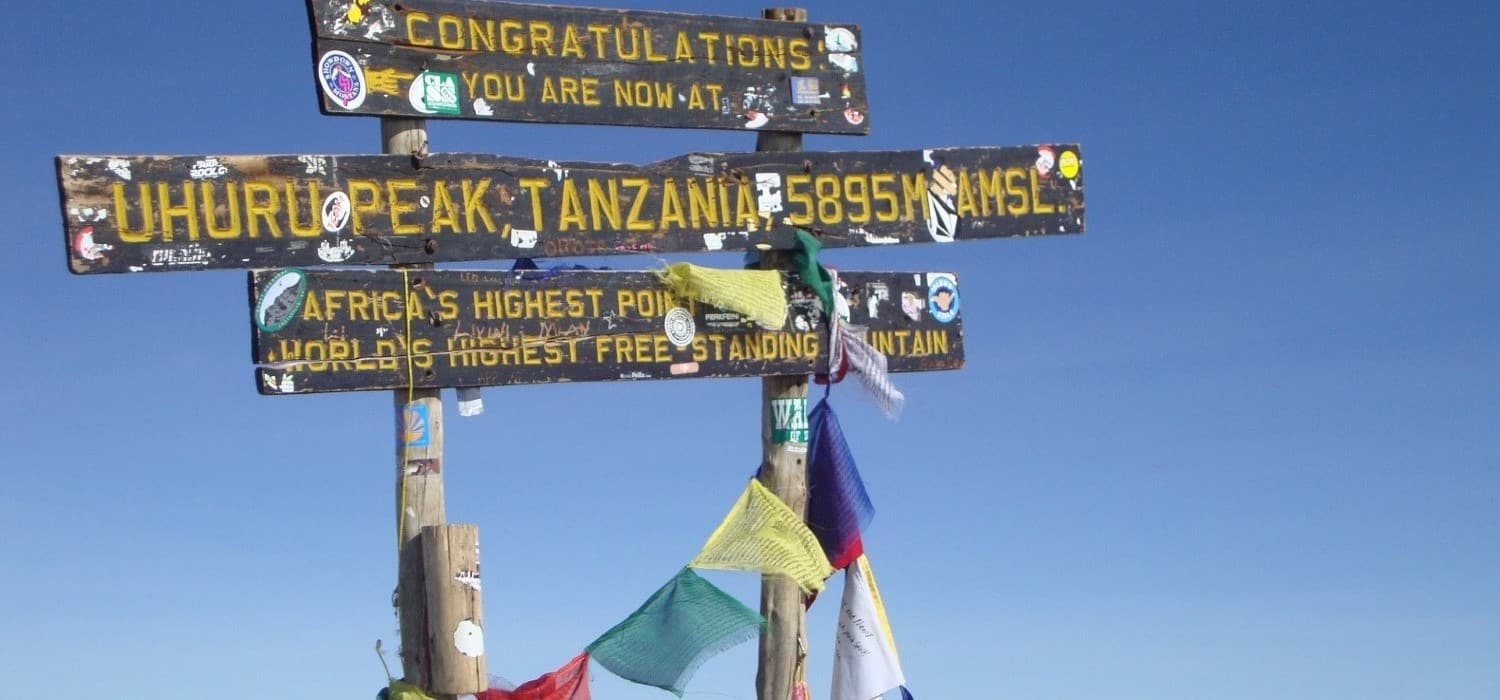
x=1067 y=164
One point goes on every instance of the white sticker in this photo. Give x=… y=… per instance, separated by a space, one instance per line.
x=468 y=638
x=342 y=80
x=680 y=327
x=768 y=189
x=470 y=403
x=330 y=252
x=839 y=40
x=335 y=212
x=207 y=169
x=523 y=238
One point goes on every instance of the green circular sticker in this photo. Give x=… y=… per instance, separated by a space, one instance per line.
x=280 y=300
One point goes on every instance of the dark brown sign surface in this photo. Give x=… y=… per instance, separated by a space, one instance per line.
x=574 y=65
x=160 y=213
x=350 y=330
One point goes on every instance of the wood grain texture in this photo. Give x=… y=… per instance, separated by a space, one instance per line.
x=455 y=610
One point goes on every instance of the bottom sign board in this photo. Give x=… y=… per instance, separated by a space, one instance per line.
x=354 y=330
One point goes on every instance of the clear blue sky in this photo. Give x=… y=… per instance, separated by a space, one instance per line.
x=1241 y=440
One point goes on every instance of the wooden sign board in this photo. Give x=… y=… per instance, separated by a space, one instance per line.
x=352 y=330
x=502 y=61
x=162 y=213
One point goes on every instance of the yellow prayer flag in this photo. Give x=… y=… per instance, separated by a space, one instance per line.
x=885 y=624
x=762 y=534
x=405 y=691
x=755 y=294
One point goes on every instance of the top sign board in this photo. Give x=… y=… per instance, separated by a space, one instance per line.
x=501 y=61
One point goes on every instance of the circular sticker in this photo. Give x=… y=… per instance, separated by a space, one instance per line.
x=280 y=300
x=342 y=80
x=680 y=327
x=840 y=40
x=1067 y=164
x=942 y=297
x=468 y=638
x=1045 y=159
x=335 y=212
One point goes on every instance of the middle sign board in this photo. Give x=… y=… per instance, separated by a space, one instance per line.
x=350 y=330
x=504 y=61
x=162 y=213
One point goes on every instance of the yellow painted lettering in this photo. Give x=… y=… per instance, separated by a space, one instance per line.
x=474 y=209
x=572 y=208
x=182 y=211
x=122 y=214
x=633 y=220
x=1037 y=205
x=702 y=209
x=651 y=55
x=1022 y=200
x=450 y=32
x=444 y=214
x=512 y=41
x=314 y=227
x=541 y=36
x=257 y=211
x=801 y=53
x=393 y=190
x=533 y=186
x=671 y=204
x=914 y=193
x=364 y=198
x=233 y=228
x=412 y=20
x=571 y=46
x=966 y=205
x=604 y=204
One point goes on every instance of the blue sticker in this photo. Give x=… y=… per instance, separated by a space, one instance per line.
x=942 y=297
x=414 y=427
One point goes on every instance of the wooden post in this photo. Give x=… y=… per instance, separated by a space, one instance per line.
x=783 y=470
x=419 y=464
x=455 y=615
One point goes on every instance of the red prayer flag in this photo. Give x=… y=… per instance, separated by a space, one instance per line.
x=571 y=682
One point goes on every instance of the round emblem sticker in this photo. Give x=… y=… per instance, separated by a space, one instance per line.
x=342 y=79
x=942 y=297
x=680 y=327
x=840 y=40
x=1067 y=164
x=280 y=300
x=335 y=212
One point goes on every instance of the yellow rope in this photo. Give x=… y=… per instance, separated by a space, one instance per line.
x=411 y=390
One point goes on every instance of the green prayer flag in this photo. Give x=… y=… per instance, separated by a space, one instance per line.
x=813 y=274
x=680 y=626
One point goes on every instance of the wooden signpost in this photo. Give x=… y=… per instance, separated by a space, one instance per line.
x=416 y=330
x=346 y=330
x=159 y=213
x=505 y=61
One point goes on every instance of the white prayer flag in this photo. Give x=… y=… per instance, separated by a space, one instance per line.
x=865 y=666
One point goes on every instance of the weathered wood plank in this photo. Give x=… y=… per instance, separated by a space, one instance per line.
x=347 y=330
x=162 y=213
x=506 y=61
